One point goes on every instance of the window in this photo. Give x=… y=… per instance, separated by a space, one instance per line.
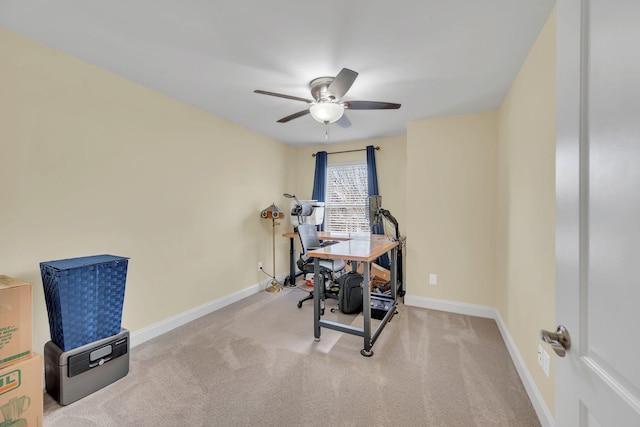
x=346 y=208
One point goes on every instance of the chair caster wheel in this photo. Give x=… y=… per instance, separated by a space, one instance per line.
x=300 y=305
x=366 y=353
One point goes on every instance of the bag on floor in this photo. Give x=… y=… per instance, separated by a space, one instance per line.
x=350 y=293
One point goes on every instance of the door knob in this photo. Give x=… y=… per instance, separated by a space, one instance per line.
x=560 y=341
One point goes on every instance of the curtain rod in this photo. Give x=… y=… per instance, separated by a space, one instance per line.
x=347 y=151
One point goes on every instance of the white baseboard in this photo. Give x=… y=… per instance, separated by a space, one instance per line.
x=451 y=306
x=164 y=326
x=545 y=417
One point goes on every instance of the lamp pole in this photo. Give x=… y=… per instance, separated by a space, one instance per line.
x=273 y=212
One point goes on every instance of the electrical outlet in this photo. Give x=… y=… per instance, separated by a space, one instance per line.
x=546 y=361
x=543 y=359
x=259 y=265
x=540 y=350
x=433 y=279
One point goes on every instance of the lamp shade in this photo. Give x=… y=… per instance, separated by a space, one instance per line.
x=326 y=112
x=272 y=212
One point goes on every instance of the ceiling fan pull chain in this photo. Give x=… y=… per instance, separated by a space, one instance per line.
x=326 y=130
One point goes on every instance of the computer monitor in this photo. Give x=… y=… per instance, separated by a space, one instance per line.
x=375 y=203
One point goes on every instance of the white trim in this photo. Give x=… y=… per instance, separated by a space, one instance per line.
x=451 y=306
x=164 y=326
x=545 y=417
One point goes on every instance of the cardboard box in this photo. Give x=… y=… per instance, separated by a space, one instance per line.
x=380 y=272
x=377 y=274
x=15 y=320
x=21 y=400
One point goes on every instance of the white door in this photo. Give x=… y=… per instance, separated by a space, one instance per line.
x=598 y=212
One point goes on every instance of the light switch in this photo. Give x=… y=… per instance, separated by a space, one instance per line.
x=433 y=279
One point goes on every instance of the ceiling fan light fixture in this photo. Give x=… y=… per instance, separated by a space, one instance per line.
x=326 y=112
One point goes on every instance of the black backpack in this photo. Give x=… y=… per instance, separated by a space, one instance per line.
x=350 y=293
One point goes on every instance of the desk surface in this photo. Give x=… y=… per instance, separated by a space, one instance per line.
x=333 y=235
x=364 y=250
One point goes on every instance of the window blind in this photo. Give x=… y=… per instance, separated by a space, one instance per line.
x=346 y=204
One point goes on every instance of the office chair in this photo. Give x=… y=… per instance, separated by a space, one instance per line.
x=328 y=267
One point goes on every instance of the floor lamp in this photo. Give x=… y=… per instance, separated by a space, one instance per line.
x=273 y=213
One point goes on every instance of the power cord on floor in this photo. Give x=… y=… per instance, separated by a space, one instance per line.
x=262 y=269
x=270 y=276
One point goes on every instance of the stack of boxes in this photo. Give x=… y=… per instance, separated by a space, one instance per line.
x=21 y=402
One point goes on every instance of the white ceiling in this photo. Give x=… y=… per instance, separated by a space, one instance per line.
x=435 y=57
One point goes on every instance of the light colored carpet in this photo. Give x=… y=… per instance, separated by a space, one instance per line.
x=255 y=363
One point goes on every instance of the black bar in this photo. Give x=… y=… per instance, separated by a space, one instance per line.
x=347 y=151
x=387 y=317
x=316 y=299
x=342 y=327
x=292 y=261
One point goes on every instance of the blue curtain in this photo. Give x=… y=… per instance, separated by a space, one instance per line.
x=320 y=180
x=372 y=186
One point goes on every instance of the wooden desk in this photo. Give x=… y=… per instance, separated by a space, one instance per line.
x=359 y=250
x=322 y=235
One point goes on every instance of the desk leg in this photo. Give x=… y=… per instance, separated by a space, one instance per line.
x=394 y=273
x=292 y=262
x=316 y=299
x=366 y=311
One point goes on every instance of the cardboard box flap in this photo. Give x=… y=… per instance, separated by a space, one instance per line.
x=380 y=272
x=7 y=282
x=376 y=271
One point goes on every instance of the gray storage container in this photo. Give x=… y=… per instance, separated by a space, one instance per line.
x=72 y=375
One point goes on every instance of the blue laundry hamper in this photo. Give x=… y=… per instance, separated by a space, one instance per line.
x=84 y=298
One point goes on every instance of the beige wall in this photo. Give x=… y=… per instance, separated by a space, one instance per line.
x=451 y=207
x=526 y=242
x=92 y=164
x=481 y=207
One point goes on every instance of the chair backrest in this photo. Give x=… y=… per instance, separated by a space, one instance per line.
x=308 y=237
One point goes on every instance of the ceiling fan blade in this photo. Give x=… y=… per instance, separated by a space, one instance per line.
x=344 y=121
x=293 y=116
x=280 y=95
x=370 y=105
x=341 y=84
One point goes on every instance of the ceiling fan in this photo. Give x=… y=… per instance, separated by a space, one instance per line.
x=327 y=105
